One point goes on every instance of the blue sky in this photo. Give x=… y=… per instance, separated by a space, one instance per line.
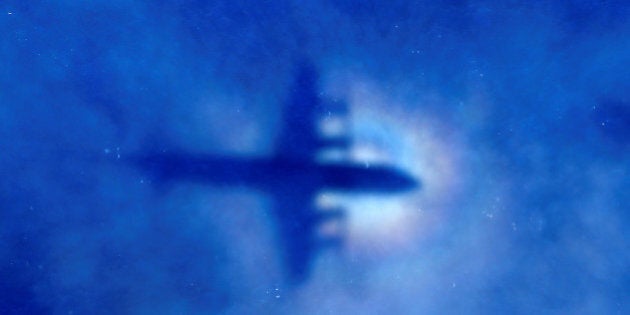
x=515 y=116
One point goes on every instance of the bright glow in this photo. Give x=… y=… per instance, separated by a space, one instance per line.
x=383 y=133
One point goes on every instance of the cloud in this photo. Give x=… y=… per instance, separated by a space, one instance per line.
x=511 y=113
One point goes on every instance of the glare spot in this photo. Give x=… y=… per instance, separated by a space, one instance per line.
x=368 y=152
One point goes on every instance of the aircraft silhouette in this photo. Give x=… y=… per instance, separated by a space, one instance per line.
x=293 y=177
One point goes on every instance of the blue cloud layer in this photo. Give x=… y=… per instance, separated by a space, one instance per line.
x=528 y=102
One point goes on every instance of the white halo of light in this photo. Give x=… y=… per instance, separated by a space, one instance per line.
x=385 y=131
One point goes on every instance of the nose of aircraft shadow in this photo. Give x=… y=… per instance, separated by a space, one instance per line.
x=404 y=182
x=410 y=183
x=394 y=180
